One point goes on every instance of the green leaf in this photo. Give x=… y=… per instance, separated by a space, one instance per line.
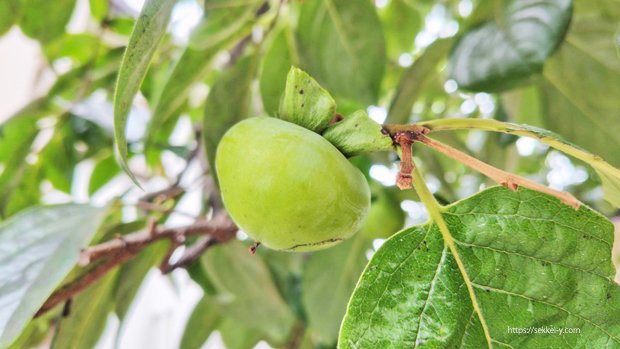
x=246 y=291
x=88 y=317
x=45 y=20
x=228 y=102
x=9 y=12
x=508 y=50
x=191 y=68
x=531 y=262
x=105 y=169
x=145 y=37
x=224 y=18
x=38 y=248
x=415 y=79
x=278 y=59
x=305 y=102
x=328 y=281
x=79 y=47
x=401 y=23
x=132 y=273
x=202 y=322
x=579 y=81
x=237 y=336
x=341 y=44
x=99 y=9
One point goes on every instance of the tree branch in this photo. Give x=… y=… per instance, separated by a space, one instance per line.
x=115 y=252
x=507 y=179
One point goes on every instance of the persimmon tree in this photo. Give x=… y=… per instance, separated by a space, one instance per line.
x=398 y=160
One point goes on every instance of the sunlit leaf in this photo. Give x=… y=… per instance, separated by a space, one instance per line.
x=38 y=248
x=531 y=262
x=45 y=20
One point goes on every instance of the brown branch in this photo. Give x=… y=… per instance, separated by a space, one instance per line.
x=69 y=290
x=115 y=252
x=220 y=227
x=507 y=179
x=191 y=255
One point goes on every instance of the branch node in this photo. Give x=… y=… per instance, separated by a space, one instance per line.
x=510 y=183
x=405 y=140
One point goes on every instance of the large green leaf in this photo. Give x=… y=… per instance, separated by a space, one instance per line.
x=38 y=248
x=341 y=44
x=202 y=322
x=229 y=101
x=328 y=281
x=507 y=50
x=579 y=82
x=88 y=317
x=246 y=291
x=45 y=20
x=145 y=37
x=9 y=12
x=530 y=261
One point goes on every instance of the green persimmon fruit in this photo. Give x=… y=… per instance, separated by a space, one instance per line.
x=289 y=188
x=385 y=216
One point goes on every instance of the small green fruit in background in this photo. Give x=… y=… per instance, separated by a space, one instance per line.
x=385 y=216
x=289 y=188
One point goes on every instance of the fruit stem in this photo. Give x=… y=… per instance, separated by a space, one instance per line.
x=253 y=248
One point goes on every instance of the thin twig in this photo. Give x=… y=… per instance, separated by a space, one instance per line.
x=507 y=179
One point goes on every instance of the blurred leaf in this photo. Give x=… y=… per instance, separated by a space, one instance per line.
x=9 y=13
x=45 y=20
x=38 y=248
x=99 y=9
x=278 y=59
x=401 y=23
x=191 y=68
x=202 y=322
x=246 y=291
x=132 y=274
x=88 y=317
x=79 y=47
x=305 y=102
x=415 y=79
x=507 y=50
x=223 y=20
x=228 y=102
x=145 y=37
x=341 y=45
x=105 y=169
x=519 y=257
x=579 y=81
x=236 y=336
x=328 y=281
x=35 y=333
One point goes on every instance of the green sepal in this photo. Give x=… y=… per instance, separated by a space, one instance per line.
x=357 y=134
x=305 y=102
